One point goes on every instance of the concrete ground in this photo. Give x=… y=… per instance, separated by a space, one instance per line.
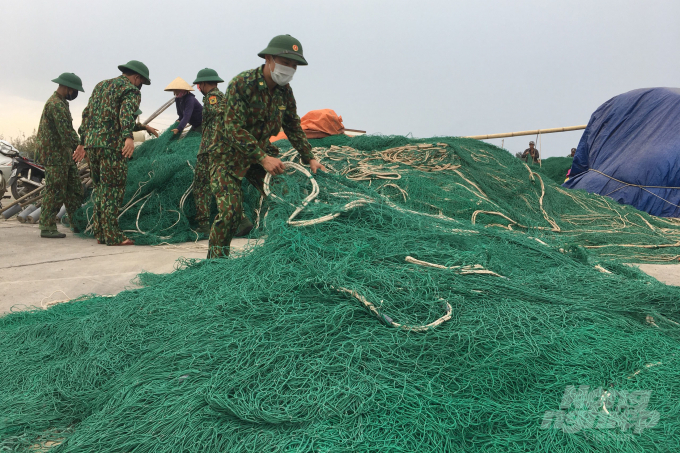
x=37 y=272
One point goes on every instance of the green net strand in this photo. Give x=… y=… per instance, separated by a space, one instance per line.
x=556 y=168
x=271 y=350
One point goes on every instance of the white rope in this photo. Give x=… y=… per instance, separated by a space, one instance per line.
x=361 y=201
x=463 y=270
x=391 y=322
x=310 y=198
x=187 y=193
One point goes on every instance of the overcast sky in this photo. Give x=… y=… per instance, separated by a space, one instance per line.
x=424 y=68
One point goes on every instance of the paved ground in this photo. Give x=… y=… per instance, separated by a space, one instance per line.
x=36 y=272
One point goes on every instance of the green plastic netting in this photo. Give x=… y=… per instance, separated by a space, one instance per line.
x=291 y=345
x=158 y=206
x=556 y=168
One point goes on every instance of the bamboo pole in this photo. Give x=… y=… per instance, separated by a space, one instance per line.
x=155 y=114
x=19 y=200
x=534 y=132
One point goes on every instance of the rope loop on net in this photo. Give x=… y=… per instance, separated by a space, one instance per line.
x=389 y=321
x=309 y=199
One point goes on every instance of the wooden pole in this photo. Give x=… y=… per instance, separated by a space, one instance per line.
x=155 y=114
x=534 y=132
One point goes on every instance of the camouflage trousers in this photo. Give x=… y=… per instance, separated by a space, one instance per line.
x=108 y=169
x=202 y=193
x=227 y=190
x=62 y=186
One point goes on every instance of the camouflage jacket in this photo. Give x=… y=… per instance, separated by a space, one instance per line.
x=213 y=112
x=109 y=117
x=56 y=139
x=252 y=115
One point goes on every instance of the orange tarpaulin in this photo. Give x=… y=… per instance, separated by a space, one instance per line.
x=317 y=124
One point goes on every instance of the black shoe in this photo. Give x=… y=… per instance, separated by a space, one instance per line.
x=52 y=234
x=244 y=228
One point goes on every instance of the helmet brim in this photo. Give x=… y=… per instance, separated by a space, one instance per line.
x=277 y=52
x=208 y=79
x=124 y=66
x=66 y=83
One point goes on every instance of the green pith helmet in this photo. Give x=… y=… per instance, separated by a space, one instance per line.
x=138 y=67
x=138 y=112
x=285 y=46
x=69 y=79
x=207 y=75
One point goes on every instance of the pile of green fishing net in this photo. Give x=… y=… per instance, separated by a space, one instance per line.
x=159 y=206
x=436 y=295
x=556 y=168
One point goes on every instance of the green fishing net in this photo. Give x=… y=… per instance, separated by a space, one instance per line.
x=429 y=295
x=556 y=168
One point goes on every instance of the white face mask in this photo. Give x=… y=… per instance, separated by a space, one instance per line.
x=282 y=75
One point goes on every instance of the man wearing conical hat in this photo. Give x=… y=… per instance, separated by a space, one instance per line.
x=106 y=137
x=259 y=103
x=189 y=110
x=56 y=141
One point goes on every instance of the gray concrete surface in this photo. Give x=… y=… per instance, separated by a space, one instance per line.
x=667 y=273
x=37 y=272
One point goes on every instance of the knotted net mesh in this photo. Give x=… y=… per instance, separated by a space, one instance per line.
x=324 y=336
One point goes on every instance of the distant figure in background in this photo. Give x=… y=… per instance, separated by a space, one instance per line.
x=189 y=110
x=56 y=141
x=141 y=127
x=573 y=152
x=532 y=152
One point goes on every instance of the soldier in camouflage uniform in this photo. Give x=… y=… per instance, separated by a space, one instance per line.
x=259 y=102
x=56 y=141
x=106 y=137
x=213 y=112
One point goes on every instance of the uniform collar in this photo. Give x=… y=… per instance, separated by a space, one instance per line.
x=123 y=77
x=261 y=82
x=259 y=79
x=59 y=96
x=214 y=92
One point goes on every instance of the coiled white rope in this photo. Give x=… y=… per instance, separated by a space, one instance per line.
x=390 y=322
x=361 y=201
x=309 y=199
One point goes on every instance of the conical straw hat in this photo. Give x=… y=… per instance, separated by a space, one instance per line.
x=178 y=84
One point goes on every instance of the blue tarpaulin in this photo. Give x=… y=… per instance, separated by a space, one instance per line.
x=630 y=151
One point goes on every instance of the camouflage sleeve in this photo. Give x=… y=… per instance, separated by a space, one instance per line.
x=235 y=118
x=82 y=130
x=129 y=106
x=293 y=130
x=64 y=125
